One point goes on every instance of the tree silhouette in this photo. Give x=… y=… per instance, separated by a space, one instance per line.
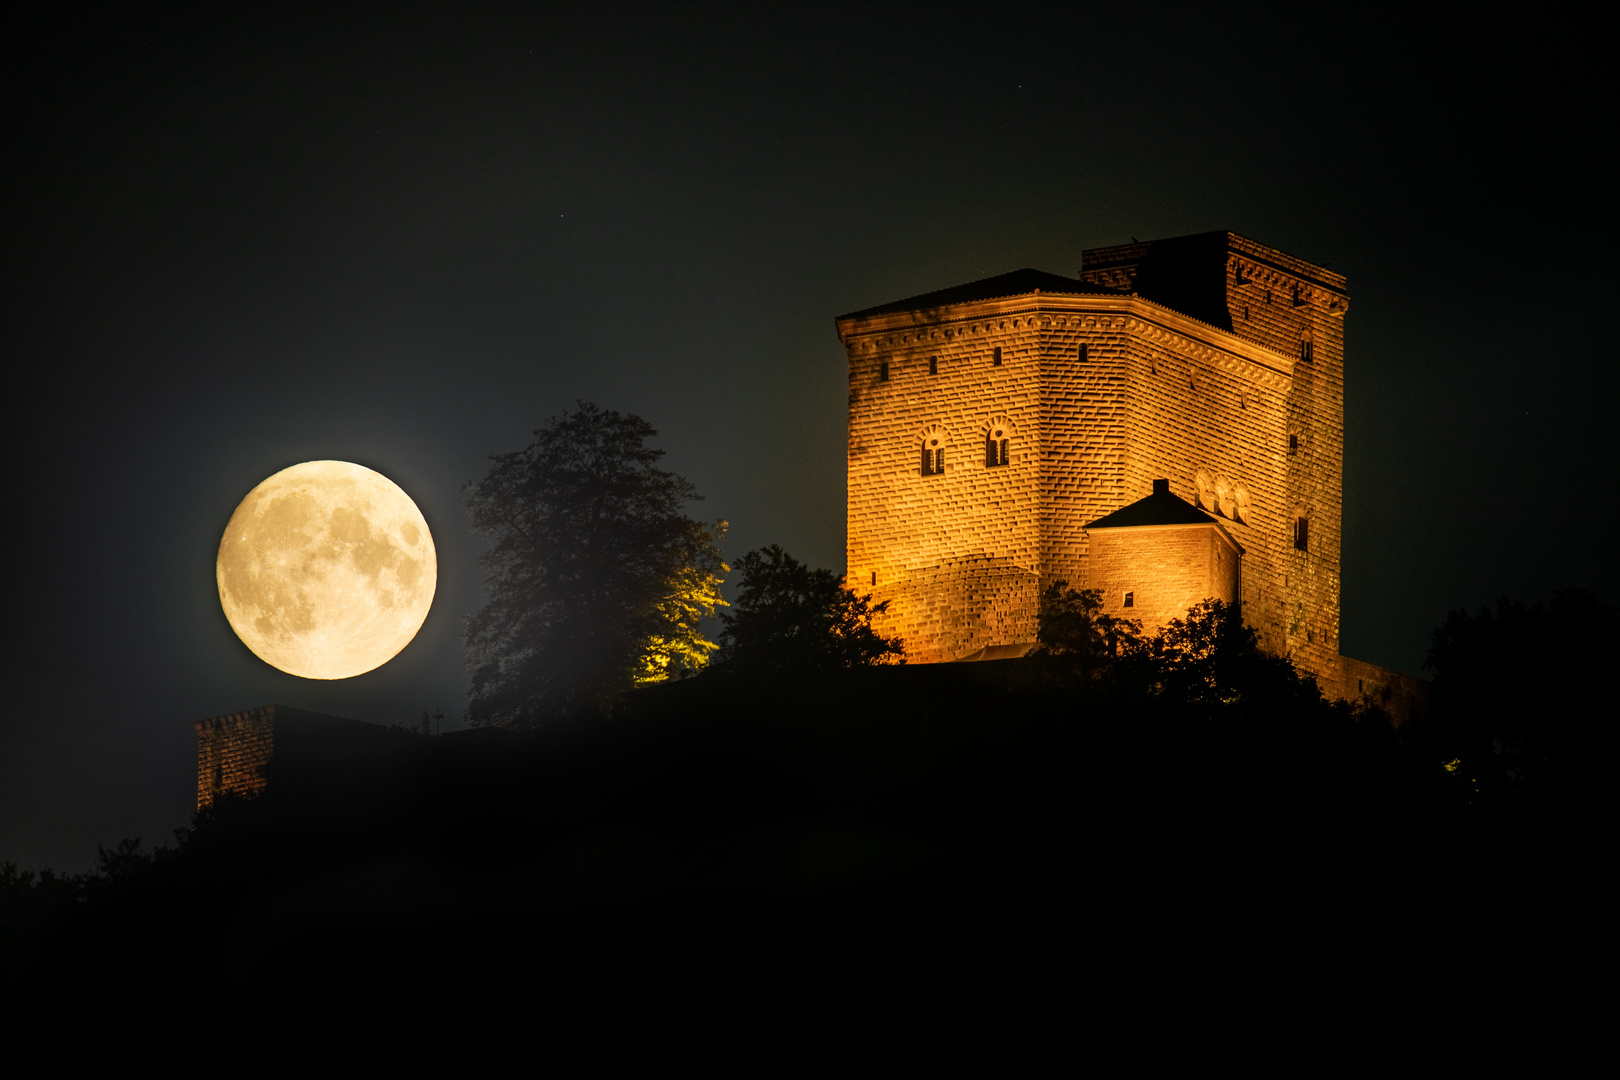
x=1075 y=637
x=1515 y=702
x=789 y=617
x=1212 y=662
x=596 y=578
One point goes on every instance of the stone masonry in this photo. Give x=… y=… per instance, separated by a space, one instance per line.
x=237 y=752
x=1210 y=360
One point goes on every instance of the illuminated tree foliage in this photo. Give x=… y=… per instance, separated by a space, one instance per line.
x=791 y=618
x=596 y=578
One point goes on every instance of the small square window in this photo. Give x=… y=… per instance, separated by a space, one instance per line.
x=1130 y=599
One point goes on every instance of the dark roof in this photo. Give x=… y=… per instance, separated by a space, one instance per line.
x=1160 y=508
x=1017 y=283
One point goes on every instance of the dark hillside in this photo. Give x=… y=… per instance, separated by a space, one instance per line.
x=730 y=859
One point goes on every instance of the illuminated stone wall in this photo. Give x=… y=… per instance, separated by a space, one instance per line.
x=1166 y=569
x=234 y=753
x=237 y=752
x=1208 y=402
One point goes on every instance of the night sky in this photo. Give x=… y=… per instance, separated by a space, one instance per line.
x=406 y=237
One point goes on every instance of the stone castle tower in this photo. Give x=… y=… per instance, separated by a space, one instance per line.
x=1002 y=434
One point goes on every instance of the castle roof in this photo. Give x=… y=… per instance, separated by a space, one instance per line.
x=1159 y=508
x=1018 y=283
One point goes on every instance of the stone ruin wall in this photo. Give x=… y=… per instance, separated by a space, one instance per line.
x=234 y=753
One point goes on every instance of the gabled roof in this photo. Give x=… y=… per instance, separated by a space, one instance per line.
x=1018 y=283
x=1159 y=508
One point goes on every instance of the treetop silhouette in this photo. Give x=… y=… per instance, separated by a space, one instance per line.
x=790 y=617
x=597 y=579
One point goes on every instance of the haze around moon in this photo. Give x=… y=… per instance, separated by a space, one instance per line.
x=327 y=570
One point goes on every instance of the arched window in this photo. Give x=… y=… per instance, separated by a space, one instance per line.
x=933 y=455
x=997 y=434
x=997 y=447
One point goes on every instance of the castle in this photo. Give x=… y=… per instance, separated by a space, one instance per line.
x=1166 y=426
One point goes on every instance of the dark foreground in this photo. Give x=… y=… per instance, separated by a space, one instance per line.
x=913 y=866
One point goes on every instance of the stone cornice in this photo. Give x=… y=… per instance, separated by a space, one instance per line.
x=1195 y=339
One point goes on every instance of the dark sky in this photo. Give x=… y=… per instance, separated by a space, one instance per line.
x=407 y=236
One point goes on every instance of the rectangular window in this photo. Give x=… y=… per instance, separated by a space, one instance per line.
x=1080 y=354
x=1305 y=351
x=995 y=356
x=883 y=371
x=1302 y=534
x=933 y=365
x=1130 y=599
x=1293 y=444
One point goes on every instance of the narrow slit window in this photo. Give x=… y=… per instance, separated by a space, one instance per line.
x=1130 y=599
x=1080 y=353
x=1305 y=352
x=995 y=356
x=1293 y=444
x=883 y=371
x=933 y=365
x=1302 y=534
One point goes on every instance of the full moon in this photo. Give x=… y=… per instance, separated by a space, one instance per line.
x=327 y=570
